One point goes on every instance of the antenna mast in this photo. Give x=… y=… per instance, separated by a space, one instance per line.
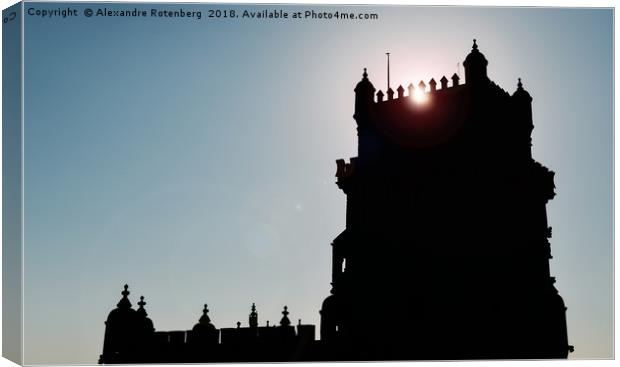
x=388 y=69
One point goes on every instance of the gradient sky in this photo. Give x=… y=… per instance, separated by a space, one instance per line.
x=194 y=159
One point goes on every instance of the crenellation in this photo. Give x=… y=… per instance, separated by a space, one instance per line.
x=410 y=88
x=380 y=96
x=455 y=80
x=433 y=85
x=444 y=82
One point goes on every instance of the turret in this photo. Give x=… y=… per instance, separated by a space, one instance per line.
x=144 y=328
x=523 y=114
x=145 y=324
x=475 y=67
x=204 y=332
x=121 y=331
x=364 y=98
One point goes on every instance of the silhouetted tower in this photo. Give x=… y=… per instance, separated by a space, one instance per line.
x=445 y=254
x=122 y=329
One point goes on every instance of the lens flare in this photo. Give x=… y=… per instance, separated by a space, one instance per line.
x=419 y=97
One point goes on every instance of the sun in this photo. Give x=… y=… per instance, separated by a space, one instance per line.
x=419 y=97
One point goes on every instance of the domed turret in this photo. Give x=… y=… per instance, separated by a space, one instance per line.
x=521 y=94
x=204 y=332
x=121 y=329
x=146 y=325
x=364 y=98
x=204 y=323
x=123 y=311
x=475 y=66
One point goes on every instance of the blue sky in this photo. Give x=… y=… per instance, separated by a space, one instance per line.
x=194 y=159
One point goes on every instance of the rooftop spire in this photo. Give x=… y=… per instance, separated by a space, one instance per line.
x=285 y=321
x=124 y=302
x=141 y=305
x=365 y=75
x=253 y=316
x=475 y=46
x=204 y=319
x=519 y=84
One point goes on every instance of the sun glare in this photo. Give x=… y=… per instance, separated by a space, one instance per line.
x=419 y=96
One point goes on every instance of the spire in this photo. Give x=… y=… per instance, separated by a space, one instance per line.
x=520 y=85
x=141 y=305
x=474 y=47
x=401 y=91
x=365 y=75
x=285 y=321
x=204 y=319
x=124 y=302
x=253 y=316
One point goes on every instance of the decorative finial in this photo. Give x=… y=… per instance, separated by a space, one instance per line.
x=365 y=75
x=475 y=46
x=519 y=84
x=204 y=319
x=141 y=305
x=124 y=302
x=299 y=322
x=253 y=317
x=285 y=321
x=238 y=324
x=267 y=323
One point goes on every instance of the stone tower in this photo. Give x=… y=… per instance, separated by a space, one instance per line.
x=446 y=249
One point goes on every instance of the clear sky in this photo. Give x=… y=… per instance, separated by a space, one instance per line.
x=194 y=159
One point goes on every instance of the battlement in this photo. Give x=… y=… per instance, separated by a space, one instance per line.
x=419 y=93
